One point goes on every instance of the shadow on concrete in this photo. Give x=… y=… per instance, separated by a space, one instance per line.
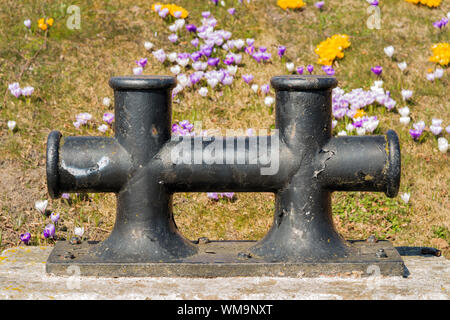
x=416 y=251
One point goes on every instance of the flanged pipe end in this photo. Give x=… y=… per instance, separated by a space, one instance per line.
x=394 y=164
x=126 y=83
x=303 y=83
x=53 y=141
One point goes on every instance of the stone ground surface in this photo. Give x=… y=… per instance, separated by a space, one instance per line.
x=22 y=276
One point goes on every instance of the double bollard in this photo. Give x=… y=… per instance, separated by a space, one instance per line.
x=144 y=165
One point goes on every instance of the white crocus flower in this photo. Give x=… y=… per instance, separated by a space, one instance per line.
x=79 y=231
x=350 y=127
x=402 y=66
x=360 y=131
x=404 y=112
x=438 y=73
x=405 y=120
x=41 y=205
x=102 y=128
x=407 y=94
x=255 y=88
x=106 y=101
x=442 y=144
x=290 y=66
x=232 y=70
x=148 y=45
x=268 y=101
x=172 y=56
x=11 y=125
x=203 y=91
x=405 y=197
x=175 y=69
x=389 y=51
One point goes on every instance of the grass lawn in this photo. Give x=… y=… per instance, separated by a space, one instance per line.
x=70 y=69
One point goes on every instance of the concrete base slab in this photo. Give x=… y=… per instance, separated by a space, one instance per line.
x=23 y=276
x=228 y=259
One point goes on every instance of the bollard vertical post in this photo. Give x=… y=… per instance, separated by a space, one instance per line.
x=303 y=228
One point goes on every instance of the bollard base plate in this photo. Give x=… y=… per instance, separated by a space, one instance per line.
x=229 y=259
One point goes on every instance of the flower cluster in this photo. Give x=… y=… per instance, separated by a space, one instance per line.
x=183 y=128
x=441 y=53
x=429 y=3
x=141 y=63
x=175 y=11
x=332 y=48
x=17 y=91
x=44 y=24
x=82 y=119
x=217 y=195
x=216 y=58
x=290 y=4
x=350 y=107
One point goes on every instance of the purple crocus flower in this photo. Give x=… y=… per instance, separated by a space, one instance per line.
x=438 y=24
x=229 y=195
x=281 y=50
x=310 y=68
x=300 y=70
x=195 y=56
x=27 y=23
x=142 y=62
x=54 y=217
x=231 y=11
x=265 y=88
x=377 y=70
x=49 y=231
x=65 y=196
x=215 y=1
x=195 y=42
x=227 y=80
x=177 y=14
x=160 y=55
x=191 y=27
x=247 y=78
x=258 y=56
x=206 y=14
x=415 y=133
x=16 y=92
x=196 y=77
x=250 y=42
x=374 y=3
x=328 y=70
x=250 y=50
x=262 y=49
x=25 y=237
x=229 y=60
x=27 y=91
x=108 y=117
x=213 y=195
x=319 y=4
x=207 y=51
x=163 y=13
x=213 y=61
x=173 y=38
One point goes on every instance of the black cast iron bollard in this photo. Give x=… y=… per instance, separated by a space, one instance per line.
x=140 y=167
